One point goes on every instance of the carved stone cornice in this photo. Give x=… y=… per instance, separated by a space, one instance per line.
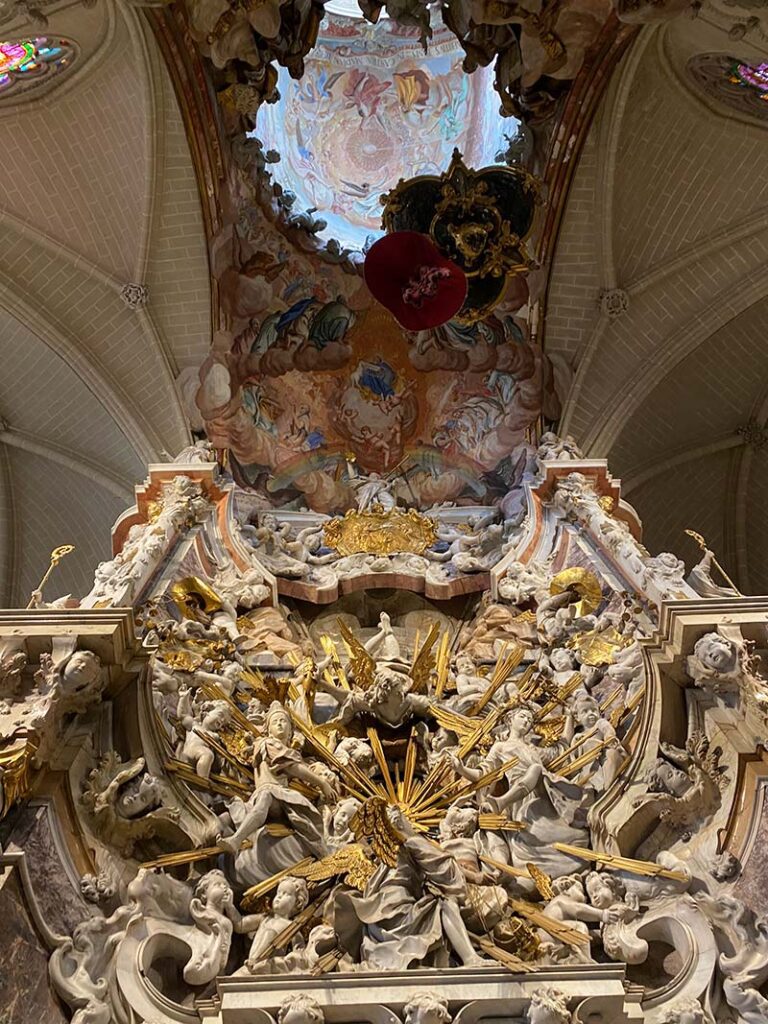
x=617 y=823
x=478 y=994
x=108 y=632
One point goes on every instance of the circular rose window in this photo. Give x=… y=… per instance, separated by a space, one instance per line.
x=27 y=63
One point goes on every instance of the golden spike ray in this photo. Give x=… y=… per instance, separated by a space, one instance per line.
x=381 y=760
x=564 y=692
x=443 y=666
x=562 y=932
x=282 y=939
x=410 y=767
x=353 y=779
x=512 y=963
x=616 y=863
x=611 y=698
x=587 y=758
x=505 y=666
x=489 y=822
x=506 y=869
x=562 y=759
x=213 y=784
x=424 y=662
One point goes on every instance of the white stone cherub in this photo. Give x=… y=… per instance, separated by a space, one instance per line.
x=425 y=1007
x=592 y=732
x=215 y=916
x=291 y=897
x=207 y=720
x=685 y=1011
x=548 y=1006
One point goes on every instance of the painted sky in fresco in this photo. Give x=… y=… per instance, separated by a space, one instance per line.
x=370 y=110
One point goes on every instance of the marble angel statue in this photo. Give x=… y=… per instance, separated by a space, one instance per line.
x=684 y=790
x=553 y=807
x=275 y=763
x=290 y=898
x=410 y=912
x=383 y=682
x=216 y=918
x=595 y=733
x=198 y=722
x=570 y=906
x=389 y=698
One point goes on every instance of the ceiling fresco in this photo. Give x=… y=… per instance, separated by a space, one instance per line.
x=371 y=109
x=310 y=383
x=388 y=406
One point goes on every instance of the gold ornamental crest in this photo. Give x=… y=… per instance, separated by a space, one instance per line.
x=379 y=532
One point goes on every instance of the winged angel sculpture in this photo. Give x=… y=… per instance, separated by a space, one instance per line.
x=397 y=801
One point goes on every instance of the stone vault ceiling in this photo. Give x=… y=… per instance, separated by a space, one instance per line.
x=668 y=213
x=98 y=192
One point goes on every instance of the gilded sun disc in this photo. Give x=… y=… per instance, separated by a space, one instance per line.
x=584 y=582
x=380 y=532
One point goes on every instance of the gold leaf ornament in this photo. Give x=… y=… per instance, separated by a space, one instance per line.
x=598 y=648
x=584 y=583
x=192 y=592
x=15 y=774
x=380 y=532
x=371 y=822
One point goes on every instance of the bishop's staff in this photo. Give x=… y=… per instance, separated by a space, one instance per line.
x=703 y=545
x=56 y=556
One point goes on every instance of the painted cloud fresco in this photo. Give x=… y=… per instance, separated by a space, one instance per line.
x=372 y=109
x=308 y=376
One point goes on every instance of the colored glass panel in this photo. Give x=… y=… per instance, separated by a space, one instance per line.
x=29 y=60
x=751 y=76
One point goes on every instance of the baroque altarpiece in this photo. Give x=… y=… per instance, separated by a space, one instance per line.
x=465 y=763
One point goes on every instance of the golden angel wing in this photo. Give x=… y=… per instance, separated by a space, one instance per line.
x=425 y=661
x=350 y=860
x=550 y=730
x=542 y=880
x=266 y=688
x=371 y=823
x=362 y=664
x=454 y=722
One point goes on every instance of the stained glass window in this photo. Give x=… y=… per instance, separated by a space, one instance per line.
x=751 y=76
x=28 y=61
